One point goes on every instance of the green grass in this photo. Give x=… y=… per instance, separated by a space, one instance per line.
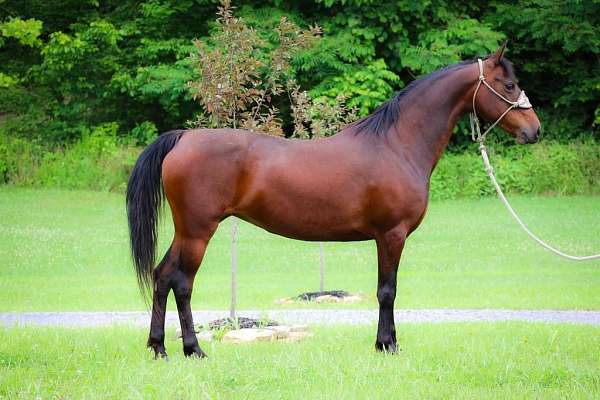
x=68 y=250
x=477 y=360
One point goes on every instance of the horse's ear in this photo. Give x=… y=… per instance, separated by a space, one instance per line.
x=498 y=54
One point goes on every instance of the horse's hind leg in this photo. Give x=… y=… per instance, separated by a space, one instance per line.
x=176 y=271
x=191 y=252
x=161 y=288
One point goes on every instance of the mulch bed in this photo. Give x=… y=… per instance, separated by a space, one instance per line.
x=311 y=296
x=240 y=323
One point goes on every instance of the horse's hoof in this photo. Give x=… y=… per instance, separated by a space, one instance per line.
x=160 y=354
x=388 y=348
x=194 y=352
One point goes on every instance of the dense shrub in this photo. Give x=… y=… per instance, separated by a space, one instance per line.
x=96 y=162
x=100 y=161
x=19 y=159
x=544 y=168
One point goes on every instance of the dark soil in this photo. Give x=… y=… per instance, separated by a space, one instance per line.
x=311 y=296
x=240 y=323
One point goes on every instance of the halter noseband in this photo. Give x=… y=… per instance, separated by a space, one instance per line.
x=522 y=102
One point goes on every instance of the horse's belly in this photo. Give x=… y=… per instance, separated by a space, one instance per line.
x=298 y=228
x=305 y=216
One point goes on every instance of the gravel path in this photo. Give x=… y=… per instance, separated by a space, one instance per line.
x=320 y=317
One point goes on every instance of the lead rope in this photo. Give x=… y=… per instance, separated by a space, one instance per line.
x=489 y=170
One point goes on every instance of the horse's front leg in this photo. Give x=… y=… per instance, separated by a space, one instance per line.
x=389 y=249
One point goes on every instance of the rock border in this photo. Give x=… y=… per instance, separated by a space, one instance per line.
x=327 y=296
x=285 y=333
x=246 y=330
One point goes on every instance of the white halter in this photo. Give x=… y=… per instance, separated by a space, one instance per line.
x=522 y=102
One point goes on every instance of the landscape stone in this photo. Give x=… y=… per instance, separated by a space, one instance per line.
x=249 y=335
x=298 y=328
x=207 y=336
x=285 y=300
x=352 y=299
x=327 y=299
x=281 y=331
x=298 y=335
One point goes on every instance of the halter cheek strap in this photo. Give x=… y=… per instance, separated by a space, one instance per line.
x=522 y=102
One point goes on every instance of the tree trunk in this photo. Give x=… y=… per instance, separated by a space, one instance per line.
x=234 y=231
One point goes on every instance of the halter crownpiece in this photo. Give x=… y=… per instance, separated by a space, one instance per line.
x=522 y=102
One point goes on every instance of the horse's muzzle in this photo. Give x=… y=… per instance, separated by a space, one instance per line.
x=527 y=136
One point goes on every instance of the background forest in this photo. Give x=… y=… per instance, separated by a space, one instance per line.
x=84 y=84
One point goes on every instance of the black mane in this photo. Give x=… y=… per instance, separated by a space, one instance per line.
x=386 y=115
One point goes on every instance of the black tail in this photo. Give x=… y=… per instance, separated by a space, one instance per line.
x=144 y=199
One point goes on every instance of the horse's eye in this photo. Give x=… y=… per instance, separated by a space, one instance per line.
x=510 y=86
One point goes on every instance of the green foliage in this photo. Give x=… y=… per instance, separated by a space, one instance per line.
x=26 y=32
x=365 y=87
x=7 y=81
x=144 y=133
x=556 y=46
x=90 y=64
x=460 y=39
x=79 y=67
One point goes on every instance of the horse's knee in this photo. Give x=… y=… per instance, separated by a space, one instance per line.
x=386 y=295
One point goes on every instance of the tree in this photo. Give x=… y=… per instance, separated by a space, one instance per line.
x=239 y=80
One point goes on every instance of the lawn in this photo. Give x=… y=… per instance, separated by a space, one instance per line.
x=68 y=250
x=476 y=360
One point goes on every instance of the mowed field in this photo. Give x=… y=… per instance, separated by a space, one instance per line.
x=68 y=250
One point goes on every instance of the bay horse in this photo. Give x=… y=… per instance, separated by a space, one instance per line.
x=369 y=181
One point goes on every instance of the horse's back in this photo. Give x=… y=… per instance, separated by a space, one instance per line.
x=311 y=190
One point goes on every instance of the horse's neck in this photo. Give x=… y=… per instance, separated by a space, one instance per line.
x=430 y=115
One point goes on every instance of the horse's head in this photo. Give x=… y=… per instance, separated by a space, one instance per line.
x=498 y=92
